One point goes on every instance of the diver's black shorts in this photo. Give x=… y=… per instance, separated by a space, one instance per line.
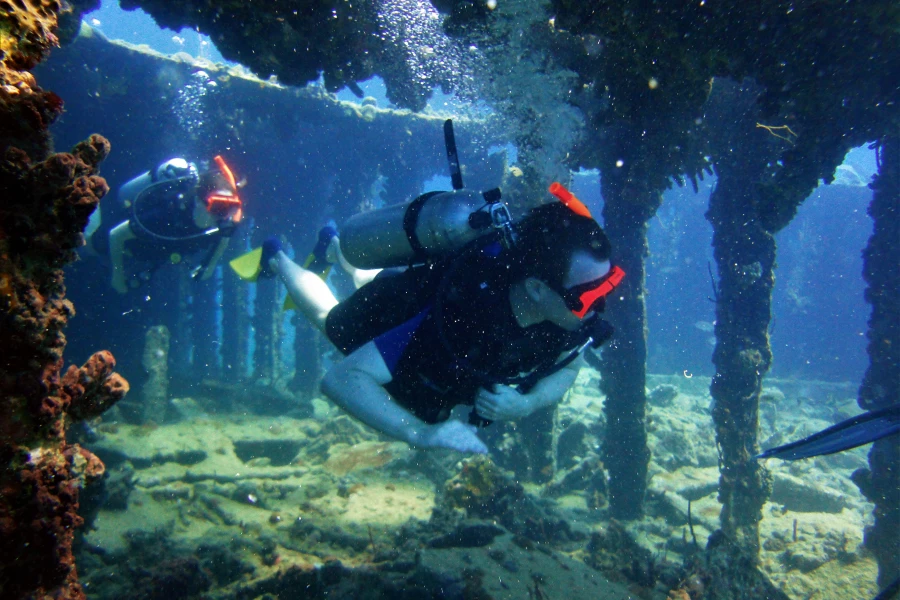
x=389 y=300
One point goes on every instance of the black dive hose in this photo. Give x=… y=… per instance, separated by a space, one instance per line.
x=158 y=236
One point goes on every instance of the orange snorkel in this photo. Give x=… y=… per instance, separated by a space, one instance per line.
x=223 y=205
x=569 y=199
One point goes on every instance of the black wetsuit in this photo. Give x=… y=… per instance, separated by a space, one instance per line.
x=482 y=342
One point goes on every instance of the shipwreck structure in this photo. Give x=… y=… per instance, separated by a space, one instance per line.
x=623 y=88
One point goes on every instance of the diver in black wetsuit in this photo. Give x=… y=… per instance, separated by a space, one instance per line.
x=484 y=312
x=165 y=214
x=496 y=328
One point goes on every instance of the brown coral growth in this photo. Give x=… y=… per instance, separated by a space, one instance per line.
x=45 y=202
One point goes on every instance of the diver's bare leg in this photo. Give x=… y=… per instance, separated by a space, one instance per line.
x=311 y=295
x=360 y=276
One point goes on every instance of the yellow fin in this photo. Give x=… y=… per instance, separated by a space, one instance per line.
x=247 y=266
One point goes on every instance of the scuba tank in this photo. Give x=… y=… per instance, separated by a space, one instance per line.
x=432 y=225
x=171 y=169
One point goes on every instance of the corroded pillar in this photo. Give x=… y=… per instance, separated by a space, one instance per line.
x=45 y=202
x=744 y=251
x=177 y=318
x=45 y=207
x=627 y=209
x=880 y=483
x=745 y=257
x=155 y=360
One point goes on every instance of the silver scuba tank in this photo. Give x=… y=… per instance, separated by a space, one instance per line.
x=171 y=169
x=431 y=225
x=130 y=190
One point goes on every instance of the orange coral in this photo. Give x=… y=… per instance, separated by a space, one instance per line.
x=93 y=388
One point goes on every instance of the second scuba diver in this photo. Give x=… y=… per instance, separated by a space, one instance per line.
x=166 y=214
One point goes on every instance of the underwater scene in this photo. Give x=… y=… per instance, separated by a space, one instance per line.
x=463 y=299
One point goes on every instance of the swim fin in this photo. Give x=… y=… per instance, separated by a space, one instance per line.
x=252 y=265
x=317 y=261
x=248 y=266
x=859 y=430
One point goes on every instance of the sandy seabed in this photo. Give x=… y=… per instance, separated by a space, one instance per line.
x=287 y=492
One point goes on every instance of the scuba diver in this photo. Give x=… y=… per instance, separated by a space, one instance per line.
x=469 y=309
x=165 y=214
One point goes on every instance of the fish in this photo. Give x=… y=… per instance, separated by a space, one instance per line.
x=847 y=434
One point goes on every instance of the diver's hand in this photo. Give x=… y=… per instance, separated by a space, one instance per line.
x=505 y=403
x=454 y=435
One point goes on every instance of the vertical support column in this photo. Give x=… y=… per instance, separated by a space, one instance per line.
x=627 y=209
x=880 y=483
x=204 y=312
x=155 y=391
x=235 y=318
x=264 y=356
x=180 y=322
x=745 y=257
x=744 y=252
x=307 y=360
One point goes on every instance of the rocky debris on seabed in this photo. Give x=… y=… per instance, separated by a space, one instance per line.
x=324 y=506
